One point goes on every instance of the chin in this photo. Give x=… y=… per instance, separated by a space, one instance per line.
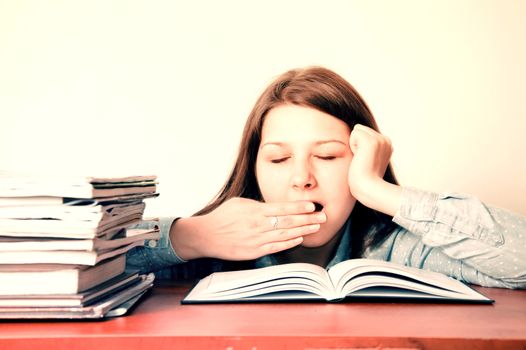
x=316 y=240
x=325 y=235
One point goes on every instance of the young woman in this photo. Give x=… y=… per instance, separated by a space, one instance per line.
x=313 y=183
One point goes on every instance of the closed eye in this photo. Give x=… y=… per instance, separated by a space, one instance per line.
x=279 y=160
x=326 y=157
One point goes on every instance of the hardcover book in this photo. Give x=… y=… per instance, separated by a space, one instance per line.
x=351 y=279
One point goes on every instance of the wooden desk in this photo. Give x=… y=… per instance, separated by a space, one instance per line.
x=160 y=322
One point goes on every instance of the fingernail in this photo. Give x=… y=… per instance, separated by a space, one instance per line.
x=310 y=207
x=314 y=228
x=320 y=217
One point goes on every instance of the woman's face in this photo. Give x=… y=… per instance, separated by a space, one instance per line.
x=304 y=155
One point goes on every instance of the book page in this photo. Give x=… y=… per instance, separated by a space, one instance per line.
x=348 y=270
x=389 y=286
x=303 y=288
x=246 y=283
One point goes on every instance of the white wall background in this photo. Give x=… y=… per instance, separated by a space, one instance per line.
x=164 y=87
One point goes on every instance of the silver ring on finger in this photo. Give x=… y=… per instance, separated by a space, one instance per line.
x=274 y=222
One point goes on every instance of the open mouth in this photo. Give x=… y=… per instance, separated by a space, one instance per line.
x=318 y=206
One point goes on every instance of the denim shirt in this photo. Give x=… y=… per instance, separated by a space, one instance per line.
x=454 y=234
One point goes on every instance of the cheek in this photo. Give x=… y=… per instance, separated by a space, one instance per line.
x=336 y=190
x=333 y=177
x=269 y=182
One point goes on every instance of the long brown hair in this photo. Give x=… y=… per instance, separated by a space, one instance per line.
x=326 y=91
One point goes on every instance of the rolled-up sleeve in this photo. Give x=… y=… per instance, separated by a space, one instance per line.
x=478 y=243
x=155 y=254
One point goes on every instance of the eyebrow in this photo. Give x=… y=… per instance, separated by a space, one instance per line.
x=317 y=143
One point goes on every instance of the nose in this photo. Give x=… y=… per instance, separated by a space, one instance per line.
x=302 y=176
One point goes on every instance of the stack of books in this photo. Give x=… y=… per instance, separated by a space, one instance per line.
x=63 y=245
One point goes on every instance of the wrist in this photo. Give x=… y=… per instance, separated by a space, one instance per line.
x=379 y=195
x=184 y=235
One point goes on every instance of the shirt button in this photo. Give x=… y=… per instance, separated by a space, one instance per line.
x=152 y=243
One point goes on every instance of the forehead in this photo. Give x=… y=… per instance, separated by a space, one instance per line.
x=290 y=123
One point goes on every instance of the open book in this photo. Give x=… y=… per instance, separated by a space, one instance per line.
x=355 y=278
